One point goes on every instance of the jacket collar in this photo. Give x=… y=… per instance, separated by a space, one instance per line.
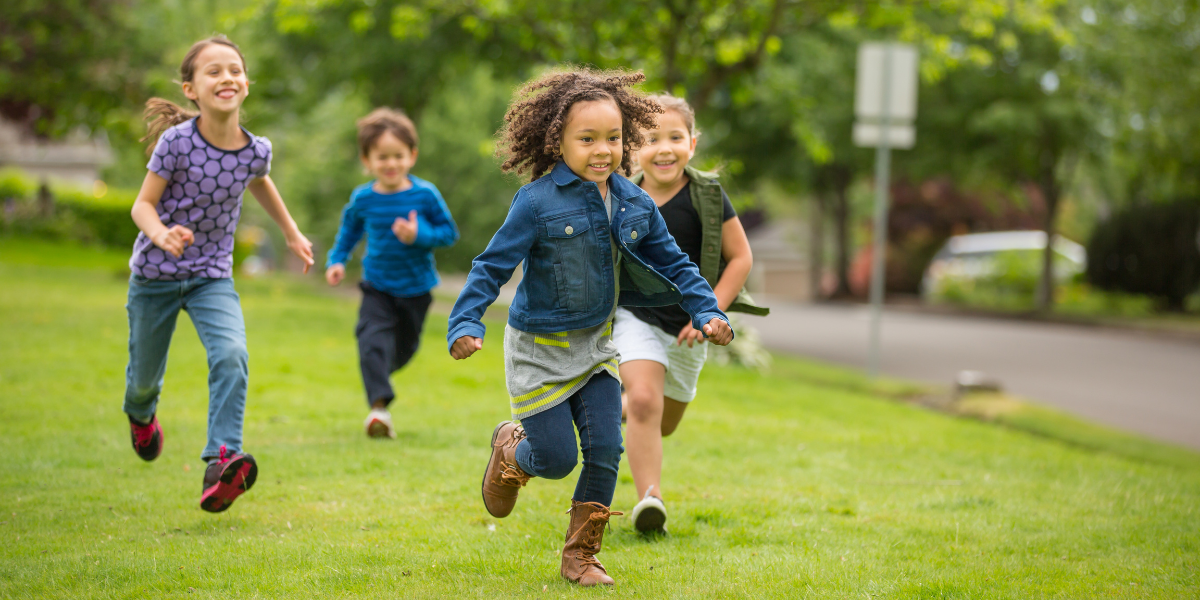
x=618 y=185
x=562 y=174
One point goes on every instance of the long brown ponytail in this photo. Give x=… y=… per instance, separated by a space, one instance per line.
x=162 y=114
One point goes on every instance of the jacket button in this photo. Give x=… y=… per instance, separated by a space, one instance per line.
x=569 y=230
x=622 y=209
x=712 y=220
x=710 y=248
x=633 y=236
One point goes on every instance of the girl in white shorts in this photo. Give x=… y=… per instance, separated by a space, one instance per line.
x=661 y=353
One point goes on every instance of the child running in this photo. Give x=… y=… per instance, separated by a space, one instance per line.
x=187 y=211
x=404 y=219
x=589 y=240
x=659 y=371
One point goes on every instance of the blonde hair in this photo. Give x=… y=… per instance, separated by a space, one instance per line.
x=681 y=107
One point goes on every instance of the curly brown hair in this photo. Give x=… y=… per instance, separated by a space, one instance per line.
x=532 y=134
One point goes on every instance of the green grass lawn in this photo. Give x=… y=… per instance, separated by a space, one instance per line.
x=803 y=483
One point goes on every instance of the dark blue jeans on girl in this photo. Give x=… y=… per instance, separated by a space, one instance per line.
x=549 y=450
x=213 y=306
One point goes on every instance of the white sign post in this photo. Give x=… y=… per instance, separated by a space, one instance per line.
x=885 y=104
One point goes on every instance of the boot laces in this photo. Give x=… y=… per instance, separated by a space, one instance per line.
x=512 y=475
x=590 y=534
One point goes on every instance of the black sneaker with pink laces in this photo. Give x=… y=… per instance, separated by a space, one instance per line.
x=147 y=438
x=227 y=478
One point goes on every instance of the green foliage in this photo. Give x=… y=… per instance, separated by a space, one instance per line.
x=65 y=63
x=74 y=213
x=1151 y=249
x=1013 y=281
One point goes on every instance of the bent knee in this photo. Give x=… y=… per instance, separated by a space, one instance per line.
x=669 y=428
x=557 y=465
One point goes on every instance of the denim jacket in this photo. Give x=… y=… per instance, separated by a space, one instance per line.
x=558 y=229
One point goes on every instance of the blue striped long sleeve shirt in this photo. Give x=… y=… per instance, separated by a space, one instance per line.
x=390 y=265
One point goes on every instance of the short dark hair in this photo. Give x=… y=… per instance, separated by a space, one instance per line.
x=385 y=120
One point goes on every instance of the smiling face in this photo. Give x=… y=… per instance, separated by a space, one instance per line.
x=389 y=160
x=591 y=140
x=219 y=82
x=667 y=150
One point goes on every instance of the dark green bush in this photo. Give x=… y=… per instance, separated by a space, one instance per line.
x=77 y=214
x=1151 y=249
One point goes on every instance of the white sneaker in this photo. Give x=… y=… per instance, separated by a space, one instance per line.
x=650 y=515
x=379 y=424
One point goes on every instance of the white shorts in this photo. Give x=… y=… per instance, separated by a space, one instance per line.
x=639 y=340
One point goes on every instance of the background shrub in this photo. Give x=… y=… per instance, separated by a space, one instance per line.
x=1151 y=249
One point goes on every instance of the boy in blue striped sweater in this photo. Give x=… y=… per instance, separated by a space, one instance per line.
x=404 y=219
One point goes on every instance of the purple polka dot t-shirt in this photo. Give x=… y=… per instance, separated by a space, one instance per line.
x=204 y=194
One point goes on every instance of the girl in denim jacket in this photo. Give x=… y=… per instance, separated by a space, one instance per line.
x=588 y=240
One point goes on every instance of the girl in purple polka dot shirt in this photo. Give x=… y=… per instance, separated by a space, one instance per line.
x=188 y=209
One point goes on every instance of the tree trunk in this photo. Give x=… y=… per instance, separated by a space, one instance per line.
x=816 y=245
x=1050 y=193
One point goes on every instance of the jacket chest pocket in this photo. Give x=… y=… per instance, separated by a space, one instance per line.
x=574 y=258
x=634 y=230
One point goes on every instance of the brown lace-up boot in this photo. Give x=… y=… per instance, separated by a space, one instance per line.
x=503 y=479
x=585 y=535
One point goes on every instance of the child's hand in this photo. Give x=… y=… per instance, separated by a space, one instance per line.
x=718 y=331
x=465 y=346
x=690 y=335
x=334 y=274
x=174 y=240
x=301 y=247
x=406 y=229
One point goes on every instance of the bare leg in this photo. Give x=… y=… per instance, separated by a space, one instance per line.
x=672 y=415
x=644 y=422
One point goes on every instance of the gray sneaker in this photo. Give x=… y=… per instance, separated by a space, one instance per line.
x=650 y=515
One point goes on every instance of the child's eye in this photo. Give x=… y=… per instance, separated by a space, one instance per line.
x=585 y=139
x=615 y=138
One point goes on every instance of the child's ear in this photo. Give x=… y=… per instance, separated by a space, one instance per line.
x=415 y=152
x=692 y=150
x=189 y=91
x=365 y=163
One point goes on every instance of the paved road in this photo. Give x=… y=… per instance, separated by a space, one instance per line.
x=1125 y=379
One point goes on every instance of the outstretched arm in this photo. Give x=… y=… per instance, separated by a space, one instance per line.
x=490 y=270
x=267 y=194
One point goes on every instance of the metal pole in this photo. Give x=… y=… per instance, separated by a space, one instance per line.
x=882 y=177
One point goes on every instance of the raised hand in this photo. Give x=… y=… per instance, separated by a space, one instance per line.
x=174 y=240
x=406 y=229
x=465 y=346
x=334 y=274
x=718 y=331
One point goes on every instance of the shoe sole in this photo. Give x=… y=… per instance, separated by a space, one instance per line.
x=237 y=478
x=651 y=520
x=378 y=429
x=495 y=432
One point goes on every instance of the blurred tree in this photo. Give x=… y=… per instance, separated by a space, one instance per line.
x=65 y=63
x=1140 y=59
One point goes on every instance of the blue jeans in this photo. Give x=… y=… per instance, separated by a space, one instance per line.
x=548 y=449
x=213 y=307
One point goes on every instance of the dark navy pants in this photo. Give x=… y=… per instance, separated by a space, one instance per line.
x=389 y=333
x=549 y=447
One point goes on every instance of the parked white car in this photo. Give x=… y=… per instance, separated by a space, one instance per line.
x=974 y=255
